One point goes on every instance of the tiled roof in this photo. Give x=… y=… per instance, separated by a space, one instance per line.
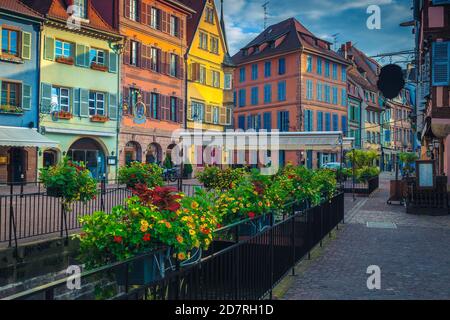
x=198 y=6
x=18 y=7
x=297 y=37
x=364 y=63
x=358 y=78
x=58 y=9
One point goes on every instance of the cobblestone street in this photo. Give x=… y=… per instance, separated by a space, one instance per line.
x=413 y=255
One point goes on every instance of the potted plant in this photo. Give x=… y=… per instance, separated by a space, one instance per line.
x=10 y=109
x=70 y=181
x=66 y=115
x=213 y=177
x=408 y=159
x=65 y=60
x=99 y=118
x=141 y=173
x=152 y=219
x=99 y=67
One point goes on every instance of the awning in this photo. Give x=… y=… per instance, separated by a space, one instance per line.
x=289 y=141
x=24 y=137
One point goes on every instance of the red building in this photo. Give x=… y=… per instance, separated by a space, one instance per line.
x=290 y=80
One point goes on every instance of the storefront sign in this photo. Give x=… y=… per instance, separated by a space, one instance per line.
x=425 y=174
x=112 y=161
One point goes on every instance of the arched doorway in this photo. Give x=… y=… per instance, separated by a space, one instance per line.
x=154 y=154
x=133 y=152
x=50 y=158
x=91 y=153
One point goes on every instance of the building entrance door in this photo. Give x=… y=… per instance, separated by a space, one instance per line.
x=17 y=165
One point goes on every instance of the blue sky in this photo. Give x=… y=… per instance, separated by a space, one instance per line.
x=324 y=18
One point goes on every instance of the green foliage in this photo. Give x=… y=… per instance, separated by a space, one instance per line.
x=141 y=173
x=364 y=174
x=141 y=226
x=70 y=180
x=362 y=158
x=213 y=177
x=187 y=170
x=168 y=164
x=408 y=158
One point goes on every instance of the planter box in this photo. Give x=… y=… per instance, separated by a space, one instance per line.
x=68 y=61
x=64 y=116
x=99 y=67
x=100 y=119
x=143 y=271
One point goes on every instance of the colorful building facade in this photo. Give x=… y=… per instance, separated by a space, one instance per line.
x=79 y=85
x=210 y=76
x=433 y=43
x=19 y=86
x=152 y=76
x=290 y=80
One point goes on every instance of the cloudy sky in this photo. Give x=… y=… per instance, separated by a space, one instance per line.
x=325 y=18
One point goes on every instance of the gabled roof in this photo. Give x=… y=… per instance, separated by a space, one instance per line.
x=193 y=22
x=363 y=62
x=57 y=9
x=296 y=37
x=17 y=6
x=355 y=76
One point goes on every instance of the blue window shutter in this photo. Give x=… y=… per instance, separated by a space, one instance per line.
x=241 y=122
x=84 y=103
x=249 y=122
x=441 y=65
x=113 y=62
x=46 y=98
x=327 y=122
x=311 y=120
x=320 y=121
x=279 y=120
x=259 y=122
x=113 y=109
x=268 y=121
x=435 y=2
x=26 y=97
x=335 y=122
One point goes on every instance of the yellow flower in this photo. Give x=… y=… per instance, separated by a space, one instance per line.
x=178 y=212
x=260 y=204
x=191 y=232
x=144 y=228
x=197 y=244
x=194 y=205
x=207 y=241
x=144 y=223
x=202 y=219
x=248 y=205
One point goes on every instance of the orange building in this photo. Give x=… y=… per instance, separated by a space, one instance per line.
x=290 y=80
x=152 y=76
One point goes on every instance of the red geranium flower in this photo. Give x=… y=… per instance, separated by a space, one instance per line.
x=219 y=226
x=146 y=237
x=251 y=215
x=118 y=239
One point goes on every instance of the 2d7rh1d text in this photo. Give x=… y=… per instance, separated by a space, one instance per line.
x=237 y=309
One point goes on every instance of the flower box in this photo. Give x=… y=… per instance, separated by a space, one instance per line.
x=8 y=109
x=251 y=228
x=64 y=60
x=99 y=67
x=64 y=115
x=11 y=58
x=99 y=118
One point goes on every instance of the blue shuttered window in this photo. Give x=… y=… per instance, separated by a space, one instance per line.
x=309 y=89
x=327 y=122
x=344 y=74
x=319 y=121
x=282 y=91
x=254 y=71
x=335 y=71
x=255 y=94
x=335 y=95
x=283 y=121
x=319 y=92
x=327 y=68
x=268 y=69
x=242 y=98
x=281 y=66
x=319 y=65
x=241 y=122
x=309 y=120
x=344 y=97
x=309 y=63
x=344 y=125
x=335 y=122
x=242 y=75
x=441 y=63
x=268 y=121
x=327 y=94
x=267 y=93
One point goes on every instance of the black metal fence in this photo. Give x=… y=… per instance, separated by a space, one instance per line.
x=366 y=188
x=27 y=212
x=246 y=270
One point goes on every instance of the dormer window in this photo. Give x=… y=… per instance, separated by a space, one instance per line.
x=209 y=15
x=80 y=8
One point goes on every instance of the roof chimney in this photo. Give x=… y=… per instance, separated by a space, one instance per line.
x=344 y=51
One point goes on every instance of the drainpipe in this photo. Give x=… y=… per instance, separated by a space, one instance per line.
x=38 y=101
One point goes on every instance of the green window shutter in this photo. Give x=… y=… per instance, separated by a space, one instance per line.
x=49 y=48
x=26 y=97
x=46 y=98
x=87 y=62
x=84 y=103
x=113 y=59
x=112 y=112
x=76 y=102
x=82 y=55
x=0 y=80
x=26 y=45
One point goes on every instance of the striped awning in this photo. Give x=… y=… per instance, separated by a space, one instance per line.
x=24 y=137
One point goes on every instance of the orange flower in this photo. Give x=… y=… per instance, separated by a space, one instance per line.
x=168 y=225
x=180 y=239
x=181 y=256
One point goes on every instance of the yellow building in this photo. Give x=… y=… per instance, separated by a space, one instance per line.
x=210 y=74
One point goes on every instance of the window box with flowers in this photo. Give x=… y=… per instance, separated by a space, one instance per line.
x=99 y=67
x=65 y=60
x=99 y=118
x=65 y=115
x=9 y=109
